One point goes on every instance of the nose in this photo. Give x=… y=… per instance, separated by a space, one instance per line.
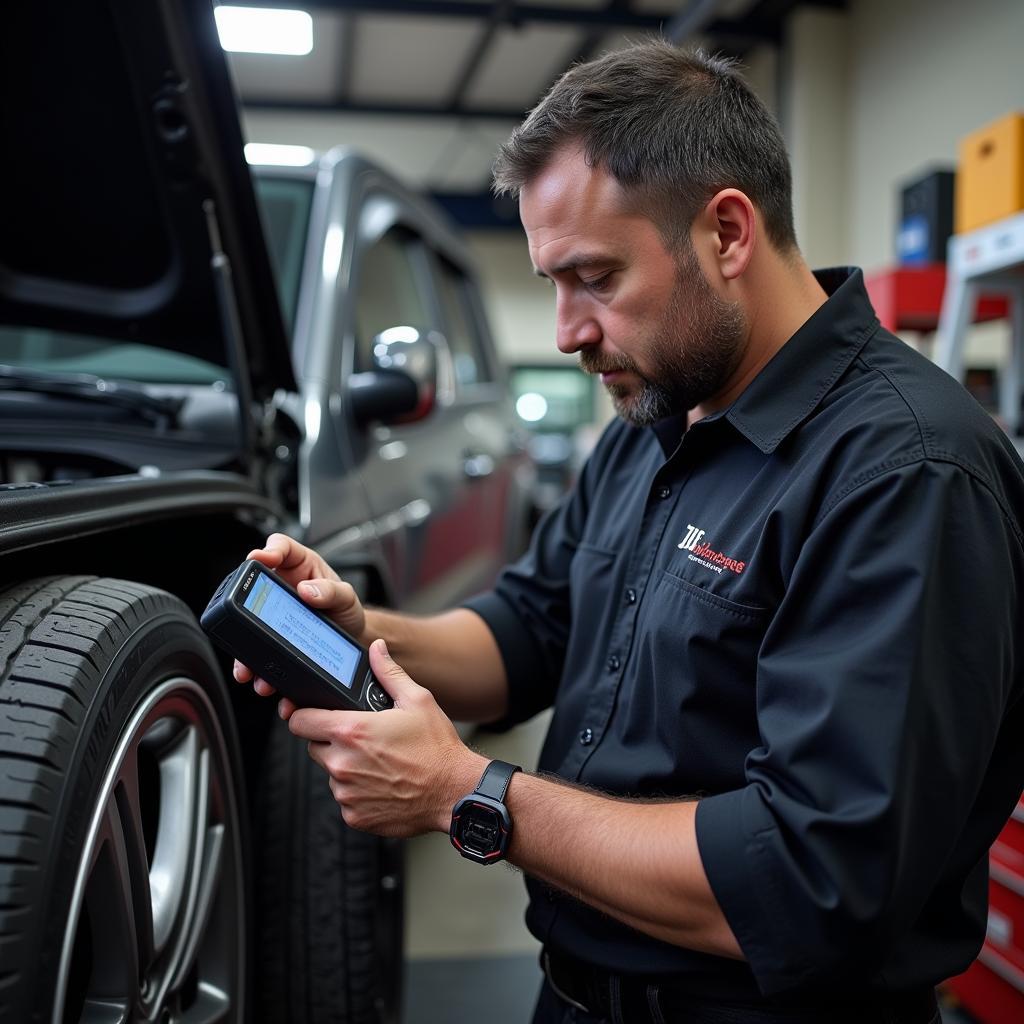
x=576 y=327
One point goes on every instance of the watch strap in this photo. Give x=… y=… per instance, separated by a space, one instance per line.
x=495 y=779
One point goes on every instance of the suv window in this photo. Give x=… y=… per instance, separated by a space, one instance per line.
x=460 y=325
x=388 y=293
x=285 y=204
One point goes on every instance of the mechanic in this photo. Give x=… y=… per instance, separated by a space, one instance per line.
x=777 y=616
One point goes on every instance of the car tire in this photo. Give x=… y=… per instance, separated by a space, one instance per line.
x=123 y=851
x=329 y=902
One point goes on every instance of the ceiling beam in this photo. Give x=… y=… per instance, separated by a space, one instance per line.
x=517 y=14
x=515 y=114
x=693 y=17
x=346 y=57
x=592 y=40
x=500 y=13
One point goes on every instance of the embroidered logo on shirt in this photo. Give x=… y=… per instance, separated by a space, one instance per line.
x=702 y=552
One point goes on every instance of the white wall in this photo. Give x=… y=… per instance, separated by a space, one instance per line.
x=520 y=305
x=812 y=112
x=424 y=152
x=923 y=73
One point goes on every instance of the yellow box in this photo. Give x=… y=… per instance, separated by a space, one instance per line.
x=990 y=175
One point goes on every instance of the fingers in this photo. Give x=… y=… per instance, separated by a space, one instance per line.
x=243 y=674
x=337 y=600
x=279 y=551
x=322 y=726
x=285 y=708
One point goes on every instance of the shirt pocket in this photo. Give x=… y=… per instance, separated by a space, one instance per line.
x=696 y=672
x=724 y=604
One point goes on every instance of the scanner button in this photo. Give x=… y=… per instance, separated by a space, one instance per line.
x=378 y=697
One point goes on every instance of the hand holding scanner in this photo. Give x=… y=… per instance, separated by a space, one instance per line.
x=260 y=620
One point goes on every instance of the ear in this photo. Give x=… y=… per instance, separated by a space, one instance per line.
x=731 y=223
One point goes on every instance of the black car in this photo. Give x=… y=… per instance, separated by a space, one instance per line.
x=188 y=363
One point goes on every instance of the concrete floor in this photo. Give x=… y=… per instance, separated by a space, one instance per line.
x=468 y=955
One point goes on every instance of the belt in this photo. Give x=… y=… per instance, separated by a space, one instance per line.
x=635 y=999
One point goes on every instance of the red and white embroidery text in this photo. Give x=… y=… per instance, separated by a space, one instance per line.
x=704 y=554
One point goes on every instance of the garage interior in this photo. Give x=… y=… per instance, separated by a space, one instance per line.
x=872 y=96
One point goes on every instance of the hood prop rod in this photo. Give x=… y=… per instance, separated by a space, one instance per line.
x=231 y=325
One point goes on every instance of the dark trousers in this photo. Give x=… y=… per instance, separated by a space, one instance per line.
x=552 y=1009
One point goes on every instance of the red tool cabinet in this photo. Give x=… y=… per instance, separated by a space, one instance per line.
x=992 y=990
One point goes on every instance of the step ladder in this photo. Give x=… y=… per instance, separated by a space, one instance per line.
x=989 y=260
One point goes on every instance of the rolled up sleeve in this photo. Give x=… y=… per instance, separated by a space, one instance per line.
x=881 y=685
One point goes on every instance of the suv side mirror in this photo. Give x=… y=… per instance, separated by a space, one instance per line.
x=402 y=386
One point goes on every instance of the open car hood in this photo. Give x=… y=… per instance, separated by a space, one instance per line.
x=121 y=176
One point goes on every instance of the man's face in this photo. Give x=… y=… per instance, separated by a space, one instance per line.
x=644 y=319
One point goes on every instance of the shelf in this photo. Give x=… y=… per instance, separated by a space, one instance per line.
x=989 y=260
x=910 y=298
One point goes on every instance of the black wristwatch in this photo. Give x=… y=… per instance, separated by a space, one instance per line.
x=481 y=825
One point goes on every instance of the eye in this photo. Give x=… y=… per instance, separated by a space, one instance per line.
x=599 y=284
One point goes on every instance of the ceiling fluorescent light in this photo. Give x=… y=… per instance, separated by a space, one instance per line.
x=281 y=156
x=264 y=30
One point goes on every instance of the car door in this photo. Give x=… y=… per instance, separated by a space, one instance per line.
x=419 y=477
x=491 y=445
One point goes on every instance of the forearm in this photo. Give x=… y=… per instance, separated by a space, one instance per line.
x=454 y=655
x=637 y=862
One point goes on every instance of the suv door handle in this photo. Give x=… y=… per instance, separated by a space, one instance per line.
x=475 y=467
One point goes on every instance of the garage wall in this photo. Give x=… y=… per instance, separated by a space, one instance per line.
x=922 y=74
x=521 y=305
x=813 y=114
x=433 y=153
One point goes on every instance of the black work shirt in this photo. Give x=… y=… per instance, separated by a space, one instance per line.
x=804 y=610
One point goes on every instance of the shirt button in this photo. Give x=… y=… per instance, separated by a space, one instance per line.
x=613 y=663
x=630 y=596
x=664 y=492
x=586 y=737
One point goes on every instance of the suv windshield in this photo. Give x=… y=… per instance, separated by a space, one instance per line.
x=285 y=204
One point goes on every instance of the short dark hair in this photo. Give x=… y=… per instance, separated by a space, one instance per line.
x=672 y=126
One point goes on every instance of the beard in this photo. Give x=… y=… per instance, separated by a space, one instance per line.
x=691 y=353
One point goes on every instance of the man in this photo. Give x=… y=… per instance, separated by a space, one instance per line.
x=777 y=617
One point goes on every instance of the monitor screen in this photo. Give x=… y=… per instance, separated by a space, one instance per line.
x=302 y=628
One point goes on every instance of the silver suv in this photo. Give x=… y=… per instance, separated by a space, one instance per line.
x=187 y=364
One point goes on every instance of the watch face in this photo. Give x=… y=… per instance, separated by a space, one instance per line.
x=480 y=830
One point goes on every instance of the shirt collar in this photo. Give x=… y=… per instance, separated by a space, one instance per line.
x=804 y=370
x=801 y=373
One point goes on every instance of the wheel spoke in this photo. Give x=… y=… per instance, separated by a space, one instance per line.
x=176 y=837
x=129 y=806
x=111 y=904
x=212 y=1005
x=96 y=1011
x=206 y=898
x=208 y=847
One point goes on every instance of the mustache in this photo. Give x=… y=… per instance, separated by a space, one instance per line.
x=593 y=362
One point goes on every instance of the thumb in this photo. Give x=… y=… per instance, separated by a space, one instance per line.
x=390 y=674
